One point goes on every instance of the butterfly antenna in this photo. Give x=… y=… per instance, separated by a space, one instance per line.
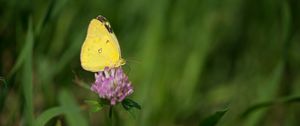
x=133 y=60
x=127 y=68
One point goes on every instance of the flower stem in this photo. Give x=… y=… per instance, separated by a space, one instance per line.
x=110 y=112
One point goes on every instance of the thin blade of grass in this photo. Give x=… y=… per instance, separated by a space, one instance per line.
x=27 y=81
x=286 y=100
x=48 y=114
x=72 y=110
x=26 y=50
x=213 y=119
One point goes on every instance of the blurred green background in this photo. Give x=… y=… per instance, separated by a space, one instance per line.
x=186 y=59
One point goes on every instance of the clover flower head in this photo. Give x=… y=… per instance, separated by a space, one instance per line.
x=112 y=84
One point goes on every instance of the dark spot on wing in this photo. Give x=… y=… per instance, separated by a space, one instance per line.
x=109 y=29
x=100 y=50
x=101 y=18
x=107 y=41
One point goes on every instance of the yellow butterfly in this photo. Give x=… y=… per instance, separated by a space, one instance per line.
x=100 y=48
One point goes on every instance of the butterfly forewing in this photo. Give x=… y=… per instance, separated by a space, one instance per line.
x=100 y=48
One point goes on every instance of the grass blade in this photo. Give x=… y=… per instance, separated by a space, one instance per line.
x=48 y=114
x=27 y=80
x=213 y=119
x=259 y=106
x=72 y=111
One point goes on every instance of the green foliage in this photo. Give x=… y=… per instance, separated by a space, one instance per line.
x=95 y=106
x=129 y=104
x=213 y=119
x=186 y=59
x=67 y=108
x=48 y=114
x=71 y=110
x=26 y=75
x=258 y=106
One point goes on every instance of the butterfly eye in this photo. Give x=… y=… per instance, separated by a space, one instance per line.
x=100 y=50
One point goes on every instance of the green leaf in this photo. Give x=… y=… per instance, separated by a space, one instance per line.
x=25 y=62
x=128 y=104
x=48 y=114
x=213 y=119
x=72 y=111
x=94 y=105
x=286 y=100
x=26 y=51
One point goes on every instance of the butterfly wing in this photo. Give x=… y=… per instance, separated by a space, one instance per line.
x=100 y=48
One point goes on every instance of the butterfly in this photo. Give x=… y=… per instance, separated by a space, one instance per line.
x=100 y=48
